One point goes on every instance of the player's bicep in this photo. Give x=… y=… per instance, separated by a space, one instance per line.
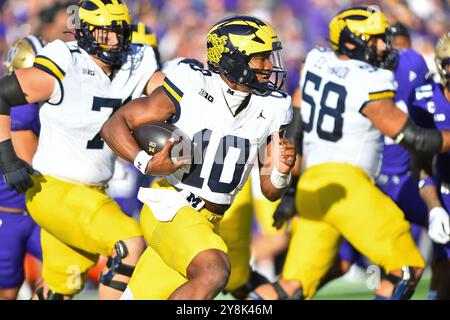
x=154 y=82
x=385 y=116
x=156 y=107
x=36 y=84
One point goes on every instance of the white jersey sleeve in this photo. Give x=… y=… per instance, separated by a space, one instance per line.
x=169 y=65
x=179 y=79
x=380 y=84
x=54 y=59
x=285 y=115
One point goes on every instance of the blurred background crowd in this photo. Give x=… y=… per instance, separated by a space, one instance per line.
x=181 y=25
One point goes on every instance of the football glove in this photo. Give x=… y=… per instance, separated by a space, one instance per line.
x=439 y=225
x=286 y=208
x=16 y=172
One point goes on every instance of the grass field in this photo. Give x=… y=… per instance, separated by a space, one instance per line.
x=343 y=289
x=340 y=289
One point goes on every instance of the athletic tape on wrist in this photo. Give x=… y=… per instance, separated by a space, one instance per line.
x=141 y=161
x=280 y=180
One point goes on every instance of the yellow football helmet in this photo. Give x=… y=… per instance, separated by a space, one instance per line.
x=233 y=41
x=442 y=59
x=22 y=53
x=143 y=34
x=357 y=26
x=107 y=16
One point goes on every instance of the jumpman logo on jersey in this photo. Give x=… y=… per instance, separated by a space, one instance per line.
x=261 y=115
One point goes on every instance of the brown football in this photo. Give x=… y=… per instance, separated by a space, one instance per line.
x=152 y=137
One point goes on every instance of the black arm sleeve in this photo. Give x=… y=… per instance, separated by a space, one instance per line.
x=419 y=140
x=421 y=162
x=294 y=131
x=10 y=94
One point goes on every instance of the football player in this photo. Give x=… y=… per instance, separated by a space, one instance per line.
x=395 y=178
x=229 y=111
x=82 y=83
x=19 y=234
x=126 y=180
x=432 y=110
x=401 y=39
x=347 y=104
x=144 y=35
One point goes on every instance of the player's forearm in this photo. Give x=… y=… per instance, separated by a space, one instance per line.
x=269 y=190
x=25 y=143
x=430 y=197
x=428 y=191
x=5 y=125
x=294 y=131
x=117 y=134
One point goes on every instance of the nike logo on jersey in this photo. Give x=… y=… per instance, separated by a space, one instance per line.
x=412 y=76
x=261 y=115
x=206 y=95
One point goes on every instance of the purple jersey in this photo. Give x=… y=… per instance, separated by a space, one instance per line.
x=24 y=117
x=432 y=110
x=410 y=73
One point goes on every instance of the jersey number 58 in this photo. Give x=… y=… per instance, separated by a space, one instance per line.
x=334 y=112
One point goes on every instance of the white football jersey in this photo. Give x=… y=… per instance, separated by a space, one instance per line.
x=70 y=146
x=229 y=139
x=334 y=92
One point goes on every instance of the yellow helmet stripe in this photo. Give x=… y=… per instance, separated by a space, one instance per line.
x=99 y=13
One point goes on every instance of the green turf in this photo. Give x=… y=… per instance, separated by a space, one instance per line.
x=339 y=289
x=344 y=289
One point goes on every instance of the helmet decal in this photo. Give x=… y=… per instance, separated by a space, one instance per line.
x=216 y=46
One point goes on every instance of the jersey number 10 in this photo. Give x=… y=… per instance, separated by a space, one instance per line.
x=202 y=139
x=335 y=113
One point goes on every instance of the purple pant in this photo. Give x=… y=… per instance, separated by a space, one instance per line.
x=405 y=193
x=403 y=190
x=19 y=234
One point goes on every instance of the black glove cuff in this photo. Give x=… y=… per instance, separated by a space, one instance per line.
x=8 y=157
x=292 y=187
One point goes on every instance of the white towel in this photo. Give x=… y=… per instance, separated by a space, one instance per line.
x=164 y=203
